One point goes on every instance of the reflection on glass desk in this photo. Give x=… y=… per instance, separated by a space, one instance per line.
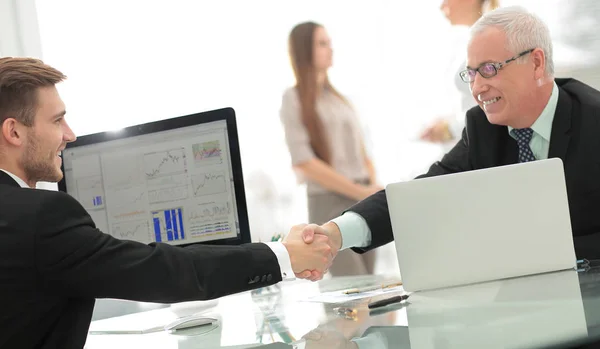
x=552 y=310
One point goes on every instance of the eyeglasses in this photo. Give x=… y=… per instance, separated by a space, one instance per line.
x=488 y=70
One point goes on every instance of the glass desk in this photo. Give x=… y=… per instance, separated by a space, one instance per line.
x=552 y=310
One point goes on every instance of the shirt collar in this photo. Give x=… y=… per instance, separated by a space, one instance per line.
x=543 y=125
x=17 y=179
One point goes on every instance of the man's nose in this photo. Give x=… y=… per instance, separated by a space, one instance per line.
x=69 y=135
x=478 y=86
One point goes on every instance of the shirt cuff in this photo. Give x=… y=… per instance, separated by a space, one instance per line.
x=354 y=229
x=283 y=258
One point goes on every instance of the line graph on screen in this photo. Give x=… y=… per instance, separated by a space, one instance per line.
x=207 y=153
x=164 y=163
x=209 y=183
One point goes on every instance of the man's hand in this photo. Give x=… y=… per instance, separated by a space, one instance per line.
x=312 y=233
x=439 y=132
x=306 y=258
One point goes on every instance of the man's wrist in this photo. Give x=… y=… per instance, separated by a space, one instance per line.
x=282 y=253
x=334 y=234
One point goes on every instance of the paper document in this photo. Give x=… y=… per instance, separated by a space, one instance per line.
x=341 y=297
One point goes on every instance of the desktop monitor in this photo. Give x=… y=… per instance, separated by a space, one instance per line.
x=177 y=181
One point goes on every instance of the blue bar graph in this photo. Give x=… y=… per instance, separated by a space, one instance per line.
x=180 y=223
x=168 y=224
x=175 y=224
x=97 y=200
x=157 y=229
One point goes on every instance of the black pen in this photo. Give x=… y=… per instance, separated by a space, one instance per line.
x=387 y=309
x=388 y=301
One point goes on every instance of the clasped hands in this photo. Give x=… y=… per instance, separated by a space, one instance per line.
x=312 y=249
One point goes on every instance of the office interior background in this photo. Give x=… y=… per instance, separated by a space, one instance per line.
x=134 y=61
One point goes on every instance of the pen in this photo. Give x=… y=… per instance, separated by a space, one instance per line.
x=388 y=301
x=390 y=308
x=372 y=288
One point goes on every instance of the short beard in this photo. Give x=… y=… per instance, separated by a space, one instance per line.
x=36 y=167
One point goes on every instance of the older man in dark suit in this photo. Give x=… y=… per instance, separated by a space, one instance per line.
x=524 y=114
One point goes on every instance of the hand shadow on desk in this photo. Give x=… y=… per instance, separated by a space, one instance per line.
x=337 y=332
x=381 y=337
x=323 y=337
x=318 y=339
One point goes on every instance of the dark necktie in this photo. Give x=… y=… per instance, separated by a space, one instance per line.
x=523 y=136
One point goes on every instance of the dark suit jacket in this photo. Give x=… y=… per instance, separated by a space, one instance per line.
x=575 y=138
x=54 y=263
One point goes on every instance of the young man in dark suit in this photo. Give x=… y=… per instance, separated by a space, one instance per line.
x=524 y=114
x=53 y=260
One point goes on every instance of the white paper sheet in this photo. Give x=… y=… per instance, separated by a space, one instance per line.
x=341 y=297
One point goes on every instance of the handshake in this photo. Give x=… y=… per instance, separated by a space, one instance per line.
x=312 y=249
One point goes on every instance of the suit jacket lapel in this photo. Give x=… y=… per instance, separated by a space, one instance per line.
x=7 y=180
x=560 y=136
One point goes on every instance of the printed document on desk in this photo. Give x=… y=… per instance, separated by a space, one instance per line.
x=341 y=297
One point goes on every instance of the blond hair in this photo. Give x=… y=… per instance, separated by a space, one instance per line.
x=20 y=79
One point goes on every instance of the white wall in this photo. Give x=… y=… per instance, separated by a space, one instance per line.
x=19 y=36
x=19 y=32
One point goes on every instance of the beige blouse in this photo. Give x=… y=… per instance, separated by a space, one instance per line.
x=343 y=133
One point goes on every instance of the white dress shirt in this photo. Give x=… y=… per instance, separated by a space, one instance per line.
x=354 y=229
x=283 y=257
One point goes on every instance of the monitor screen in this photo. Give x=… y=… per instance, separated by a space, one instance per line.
x=177 y=181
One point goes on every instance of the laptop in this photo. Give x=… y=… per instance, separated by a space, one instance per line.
x=482 y=225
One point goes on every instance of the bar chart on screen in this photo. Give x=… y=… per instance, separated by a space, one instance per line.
x=168 y=224
x=91 y=192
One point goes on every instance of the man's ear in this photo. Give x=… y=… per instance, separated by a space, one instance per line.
x=13 y=132
x=539 y=61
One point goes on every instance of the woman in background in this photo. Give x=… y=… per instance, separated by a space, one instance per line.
x=461 y=14
x=325 y=141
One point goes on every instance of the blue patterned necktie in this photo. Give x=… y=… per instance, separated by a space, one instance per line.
x=523 y=136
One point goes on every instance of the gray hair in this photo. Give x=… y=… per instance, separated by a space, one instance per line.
x=523 y=30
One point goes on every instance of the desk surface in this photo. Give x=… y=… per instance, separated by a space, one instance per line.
x=548 y=310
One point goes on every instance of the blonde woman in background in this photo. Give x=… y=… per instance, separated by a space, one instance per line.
x=325 y=140
x=461 y=14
